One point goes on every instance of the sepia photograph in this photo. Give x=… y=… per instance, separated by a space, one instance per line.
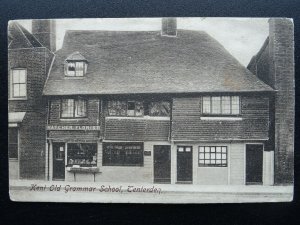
x=151 y=110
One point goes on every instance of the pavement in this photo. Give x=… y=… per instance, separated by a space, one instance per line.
x=63 y=191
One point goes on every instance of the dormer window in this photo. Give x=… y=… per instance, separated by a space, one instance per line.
x=76 y=65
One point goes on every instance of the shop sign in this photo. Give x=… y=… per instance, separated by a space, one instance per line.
x=147 y=153
x=72 y=127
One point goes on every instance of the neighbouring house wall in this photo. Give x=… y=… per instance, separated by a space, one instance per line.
x=32 y=130
x=282 y=56
x=187 y=125
x=274 y=64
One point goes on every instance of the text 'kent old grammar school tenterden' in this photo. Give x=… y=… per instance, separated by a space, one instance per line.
x=168 y=106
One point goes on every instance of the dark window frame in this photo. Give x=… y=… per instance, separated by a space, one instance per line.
x=75 y=71
x=15 y=144
x=221 y=114
x=107 y=159
x=81 y=157
x=210 y=164
x=127 y=101
x=74 y=108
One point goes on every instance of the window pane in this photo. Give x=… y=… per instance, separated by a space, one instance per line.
x=218 y=161
x=130 y=108
x=216 y=105
x=207 y=156
x=22 y=90
x=139 y=109
x=123 y=154
x=207 y=149
x=15 y=76
x=82 y=154
x=225 y=105
x=218 y=149
x=224 y=149
x=67 y=108
x=159 y=108
x=213 y=155
x=218 y=156
x=22 y=76
x=206 y=105
x=79 y=68
x=188 y=149
x=80 y=108
x=235 y=105
x=13 y=143
x=213 y=149
x=180 y=149
x=71 y=69
x=201 y=149
x=16 y=90
x=201 y=156
x=201 y=161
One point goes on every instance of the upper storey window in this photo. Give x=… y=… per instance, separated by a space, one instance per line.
x=76 y=65
x=221 y=105
x=18 y=83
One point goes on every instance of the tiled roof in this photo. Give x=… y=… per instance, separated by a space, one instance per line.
x=20 y=37
x=76 y=56
x=124 y=62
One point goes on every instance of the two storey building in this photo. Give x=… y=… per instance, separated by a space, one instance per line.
x=169 y=106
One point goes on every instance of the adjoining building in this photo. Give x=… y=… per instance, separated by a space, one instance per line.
x=29 y=60
x=169 y=106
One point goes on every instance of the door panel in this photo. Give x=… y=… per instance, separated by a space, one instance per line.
x=162 y=163
x=58 y=161
x=254 y=163
x=185 y=164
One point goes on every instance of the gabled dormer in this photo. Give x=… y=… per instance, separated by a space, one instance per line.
x=75 y=65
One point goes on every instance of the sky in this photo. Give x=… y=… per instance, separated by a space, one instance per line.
x=242 y=37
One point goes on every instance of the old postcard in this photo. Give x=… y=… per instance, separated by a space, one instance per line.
x=151 y=110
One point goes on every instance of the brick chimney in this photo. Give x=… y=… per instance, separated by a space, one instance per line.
x=274 y=64
x=45 y=32
x=169 y=27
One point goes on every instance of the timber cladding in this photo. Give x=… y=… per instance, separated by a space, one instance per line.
x=187 y=125
x=137 y=129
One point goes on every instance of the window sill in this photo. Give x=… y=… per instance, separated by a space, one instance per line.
x=17 y=99
x=139 y=117
x=223 y=118
x=73 y=119
x=83 y=169
x=74 y=78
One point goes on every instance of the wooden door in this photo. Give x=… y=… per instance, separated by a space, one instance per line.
x=185 y=164
x=254 y=163
x=58 y=161
x=162 y=163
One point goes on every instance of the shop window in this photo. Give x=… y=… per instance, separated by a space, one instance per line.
x=13 y=143
x=221 y=105
x=82 y=154
x=18 y=83
x=73 y=108
x=160 y=108
x=123 y=154
x=125 y=108
x=212 y=156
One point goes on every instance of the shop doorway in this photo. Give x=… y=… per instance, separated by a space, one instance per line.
x=184 y=164
x=254 y=163
x=162 y=164
x=58 y=161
